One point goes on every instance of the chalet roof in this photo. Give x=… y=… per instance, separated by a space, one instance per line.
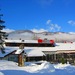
x=7 y=51
x=60 y=47
x=27 y=41
x=22 y=41
x=34 y=52
x=38 y=51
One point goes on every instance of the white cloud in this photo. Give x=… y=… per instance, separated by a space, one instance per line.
x=57 y=27
x=52 y=27
x=71 y=22
x=48 y=22
x=39 y=30
x=8 y=30
x=48 y=27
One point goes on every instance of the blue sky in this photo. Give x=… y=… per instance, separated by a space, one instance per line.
x=42 y=15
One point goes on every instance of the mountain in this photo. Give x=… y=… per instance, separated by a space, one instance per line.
x=29 y=35
x=21 y=34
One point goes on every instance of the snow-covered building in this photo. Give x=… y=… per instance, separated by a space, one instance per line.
x=34 y=50
x=53 y=54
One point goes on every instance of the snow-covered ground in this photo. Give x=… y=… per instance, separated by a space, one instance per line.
x=11 y=68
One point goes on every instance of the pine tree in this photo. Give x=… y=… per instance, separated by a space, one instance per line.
x=2 y=34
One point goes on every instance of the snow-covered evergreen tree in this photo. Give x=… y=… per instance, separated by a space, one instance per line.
x=2 y=34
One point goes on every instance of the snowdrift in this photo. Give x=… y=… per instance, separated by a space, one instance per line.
x=45 y=68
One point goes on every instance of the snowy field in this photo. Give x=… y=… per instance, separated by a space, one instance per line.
x=11 y=68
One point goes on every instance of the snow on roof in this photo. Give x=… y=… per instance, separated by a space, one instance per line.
x=13 y=41
x=18 y=51
x=8 y=50
x=22 y=41
x=58 y=46
x=38 y=51
x=34 y=52
x=65 y=46
x=31 y=41
x=11 y=49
